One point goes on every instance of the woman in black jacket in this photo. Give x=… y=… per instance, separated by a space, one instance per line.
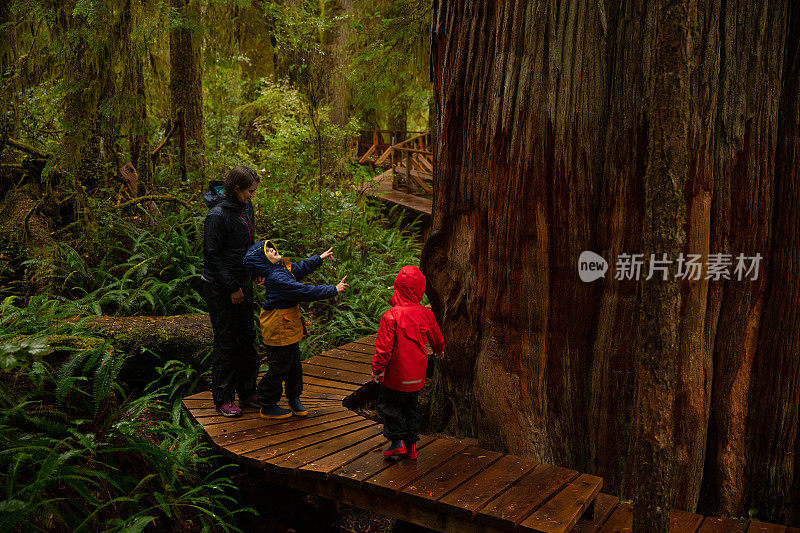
x=228 y=289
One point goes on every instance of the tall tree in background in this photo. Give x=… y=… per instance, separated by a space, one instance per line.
x=339 y=91
x=578 y=110
x=185 y=83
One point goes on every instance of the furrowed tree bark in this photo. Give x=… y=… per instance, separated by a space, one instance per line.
x=185 y=84
x=651 y=447
x=548 y=122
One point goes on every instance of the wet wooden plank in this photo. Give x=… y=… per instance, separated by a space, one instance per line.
x=511 y=506
x=311 y=390
x=604 y=505
x=340 y=364
x=367 y=466
x=295 y=459
x=261 y=437
x=402 y=473
x=722 y=525
x=467 y=498
x=276 y=427
x=356 y=357
x=620 y=521
x=272 y=451
x=427 y=490
x=562 y=511
x=684 y=521
x=321 y=468
x=359 y=348
x=332 y=386
x=334 y=374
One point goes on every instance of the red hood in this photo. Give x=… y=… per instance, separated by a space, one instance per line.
x=409 y=286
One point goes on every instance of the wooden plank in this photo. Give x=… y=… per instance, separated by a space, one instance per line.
x=763 y=527
x=402 y=473
x=346 y=388
x=321 y=468
x=684 y=521
x=722 y=525
x=264 y=455
x=340 y=364
x=511 y=506
x=367 y=466
x=276 y=427
x=335 y=374
x=207 y=412
x=604 y=505
x=369 y=340
x=562 y=511
x=427 y=490
x=367 y=154
x=358 y=348
x=355 y=357
x=295 y=459
x=312 y=390
x=620 y=521
x=246 y=442
x=470 y=496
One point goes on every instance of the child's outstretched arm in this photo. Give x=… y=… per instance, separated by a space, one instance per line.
x=435 y=336
x=383 y=346
x=301 y=269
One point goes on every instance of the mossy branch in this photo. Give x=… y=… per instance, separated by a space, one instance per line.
x=152 y=197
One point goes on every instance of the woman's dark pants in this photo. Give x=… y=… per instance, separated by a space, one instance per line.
x=284 y=367
x=401 y=414
x=235 y=362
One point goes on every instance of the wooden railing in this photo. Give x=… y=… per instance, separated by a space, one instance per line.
x=371 y=143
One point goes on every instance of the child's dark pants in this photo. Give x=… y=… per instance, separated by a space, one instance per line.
x=284 y=366
x=401 y=414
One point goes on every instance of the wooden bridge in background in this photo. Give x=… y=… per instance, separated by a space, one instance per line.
x=454 y=485
x=409 y=179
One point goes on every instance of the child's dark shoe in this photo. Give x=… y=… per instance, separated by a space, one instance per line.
x=395 y=448
x=412 y=451
x=250 y=401
x=298 y=409
x=273 y=412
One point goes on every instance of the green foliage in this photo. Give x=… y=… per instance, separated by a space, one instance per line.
x=78 y=453
x=139 y=272
x=368 y=248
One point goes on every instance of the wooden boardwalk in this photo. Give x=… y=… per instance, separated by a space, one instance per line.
x=381 y=187
x=453 y=485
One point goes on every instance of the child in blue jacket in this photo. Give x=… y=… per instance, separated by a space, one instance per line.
x=281 y=324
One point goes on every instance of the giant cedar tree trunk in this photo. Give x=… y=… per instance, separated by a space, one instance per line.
x=545 y=133
x=185 y=84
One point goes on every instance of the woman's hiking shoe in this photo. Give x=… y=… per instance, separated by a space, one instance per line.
x=273 y=412
x=298 y=409
x=395 y=448
x=412 y=451
x=250 y=401
x=229 y=409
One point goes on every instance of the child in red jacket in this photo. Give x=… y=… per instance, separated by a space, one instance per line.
x=401 y=360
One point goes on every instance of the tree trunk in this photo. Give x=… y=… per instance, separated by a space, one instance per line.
x=134 y=90
x=667 y=104
x=550 y=119
x=339 y=91
x=255 y=43
x=185 y=85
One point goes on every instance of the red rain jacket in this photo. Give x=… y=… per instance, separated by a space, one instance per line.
x=400 y=348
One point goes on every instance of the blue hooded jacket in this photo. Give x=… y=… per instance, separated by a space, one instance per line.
x=283 y=288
